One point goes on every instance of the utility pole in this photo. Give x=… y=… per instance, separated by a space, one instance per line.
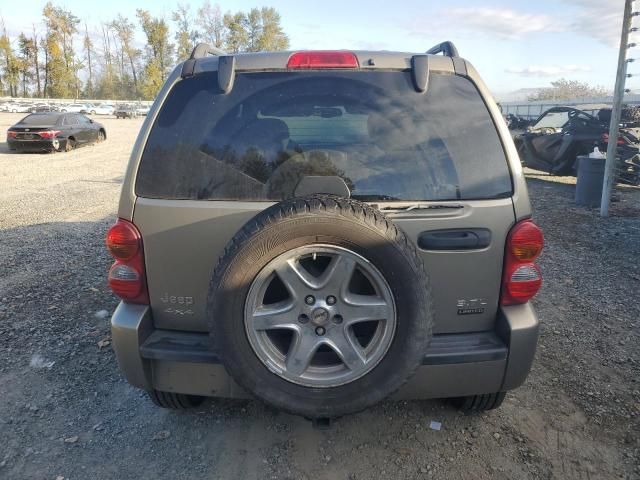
x=616 y=111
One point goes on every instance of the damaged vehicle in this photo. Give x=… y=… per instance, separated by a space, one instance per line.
x=561 y=134
x=557 y=137
x=514 y=122
x=310 y=228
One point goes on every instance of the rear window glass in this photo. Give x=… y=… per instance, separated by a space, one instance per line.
x=372 y=129
x=40 y=119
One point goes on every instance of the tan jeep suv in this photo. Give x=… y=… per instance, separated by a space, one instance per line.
x=323 y=230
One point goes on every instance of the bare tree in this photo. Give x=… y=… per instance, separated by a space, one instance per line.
x=211 y=24
x=126 y=31
x=186 y=37
x=88 y=48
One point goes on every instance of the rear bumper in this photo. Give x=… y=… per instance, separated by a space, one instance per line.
x=454 y=364
x=34 y=145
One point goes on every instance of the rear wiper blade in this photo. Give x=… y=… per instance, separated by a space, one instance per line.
x=423 y=206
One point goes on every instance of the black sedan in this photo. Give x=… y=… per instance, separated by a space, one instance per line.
x=47 y=108
x=50 y=132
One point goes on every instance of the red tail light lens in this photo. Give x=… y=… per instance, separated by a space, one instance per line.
x=123 y=240
x=11 y=134
x=127 y=277
x=49 y=133
x=323 y=59
x=521 y=277
x=605 y=139
x=526 y=241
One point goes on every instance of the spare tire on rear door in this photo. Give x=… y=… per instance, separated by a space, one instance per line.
x=320 y=306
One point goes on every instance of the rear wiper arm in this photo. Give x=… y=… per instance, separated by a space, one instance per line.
x=423 y=206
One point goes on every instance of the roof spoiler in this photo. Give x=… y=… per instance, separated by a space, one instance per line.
x=226 y=65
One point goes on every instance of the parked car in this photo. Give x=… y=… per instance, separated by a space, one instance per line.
x=125 y=111
x=102 y=109
x=19 y=108
x=52 y=132
x=561 y=134
x=75 y=108
x=47 y=108
x=143 y=110
x=323 y=235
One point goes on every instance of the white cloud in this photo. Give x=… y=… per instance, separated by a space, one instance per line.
x=502 y=22
x=598 y=19
x=548 y=70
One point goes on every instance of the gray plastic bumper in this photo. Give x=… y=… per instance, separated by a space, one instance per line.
x=131 y=325
x=454 y=365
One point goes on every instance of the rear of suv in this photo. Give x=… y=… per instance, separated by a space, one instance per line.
x=323 y=230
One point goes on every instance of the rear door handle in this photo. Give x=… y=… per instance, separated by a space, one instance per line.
x=455 y=239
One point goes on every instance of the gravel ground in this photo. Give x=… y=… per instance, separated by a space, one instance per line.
x=65 y=411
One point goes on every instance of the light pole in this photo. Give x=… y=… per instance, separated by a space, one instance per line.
x=616 y=111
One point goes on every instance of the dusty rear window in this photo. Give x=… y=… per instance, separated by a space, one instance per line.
x=372 y=129
x=40 y=119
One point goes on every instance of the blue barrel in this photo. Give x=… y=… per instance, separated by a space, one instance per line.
x=590 y=180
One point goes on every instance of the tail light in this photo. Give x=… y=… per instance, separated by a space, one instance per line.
x=605 y=139
x=49 y=133
x=521 y=278
x=323 y=59
x=11 y=134
x=127 y=277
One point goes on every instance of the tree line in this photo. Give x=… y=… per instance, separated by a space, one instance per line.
x=564 y=89
x=65 y=58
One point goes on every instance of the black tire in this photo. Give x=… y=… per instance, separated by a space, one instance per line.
x=321 y=219
x=479 y=403
x=69 y=145
x=174 y=401
x=101 y=136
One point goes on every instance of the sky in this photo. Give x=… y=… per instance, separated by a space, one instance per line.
x=513 y=44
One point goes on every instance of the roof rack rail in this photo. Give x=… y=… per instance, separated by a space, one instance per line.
x=204 y=49
x=448 y=49
x=200 y=51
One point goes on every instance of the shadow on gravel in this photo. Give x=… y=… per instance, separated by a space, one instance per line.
x=116 y=180
x=566 y=189
x=625 y=198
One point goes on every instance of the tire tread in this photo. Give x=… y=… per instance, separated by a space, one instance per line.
x=174 y=401
x=354 y=210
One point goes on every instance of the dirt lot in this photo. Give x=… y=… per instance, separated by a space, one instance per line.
x=65 y=411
